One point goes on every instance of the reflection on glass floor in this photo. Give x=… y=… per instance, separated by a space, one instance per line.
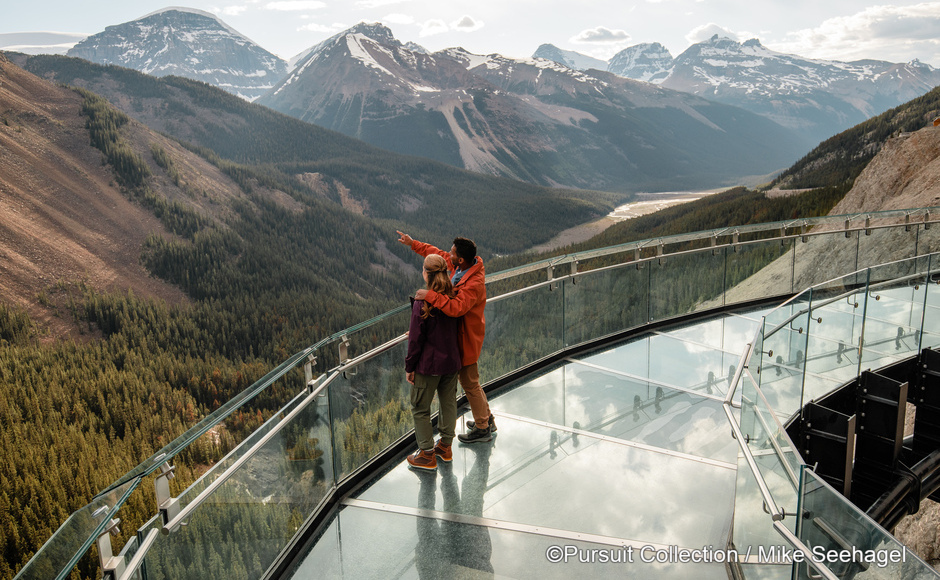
x=625 y=448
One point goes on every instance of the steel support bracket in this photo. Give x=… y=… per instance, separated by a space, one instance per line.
x=111 y=566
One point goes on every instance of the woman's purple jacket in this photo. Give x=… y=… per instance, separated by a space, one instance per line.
x=433 y=348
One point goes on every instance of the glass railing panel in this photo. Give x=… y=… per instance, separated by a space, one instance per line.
x=835 y=333
x=260 y=397
x=931 y=327
x=370 y=408
x=200 y=451
x=884 y=245
x=522 y=329
x=893 y=313
x=753 y=525
x=782 y=358
x=776 y=459
x=759 y=269
x=688 y=501
x=824 y=257
x=57 y=557
x=846 y=540
x=243 y=524
x=604 y=302
x=928 y=239
x=686 y=283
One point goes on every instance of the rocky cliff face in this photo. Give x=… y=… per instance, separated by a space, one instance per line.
x=905 y=173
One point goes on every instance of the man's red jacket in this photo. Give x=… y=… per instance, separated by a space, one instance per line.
x=469 y=303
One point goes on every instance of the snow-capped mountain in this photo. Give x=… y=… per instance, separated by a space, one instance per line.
x=569 y=58
x=651 y=62
x=817 y=97
x=531 y=119
x=187 y=43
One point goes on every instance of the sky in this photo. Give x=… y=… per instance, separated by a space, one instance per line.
x=844 y=30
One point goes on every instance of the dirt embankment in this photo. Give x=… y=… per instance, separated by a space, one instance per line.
x=62 y=217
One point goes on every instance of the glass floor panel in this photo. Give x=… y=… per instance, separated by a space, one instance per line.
x=365 y=544
x=593 y=399
x=729 y=333
x=655 y=357
x=536 y=475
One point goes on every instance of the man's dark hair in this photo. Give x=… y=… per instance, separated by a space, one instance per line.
x=466 y=249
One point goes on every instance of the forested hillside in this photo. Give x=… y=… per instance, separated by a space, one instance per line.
x=246 y=139
x=839 y=159
x=267 y=272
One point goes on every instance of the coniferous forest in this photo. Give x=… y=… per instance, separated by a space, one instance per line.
x=263 y=283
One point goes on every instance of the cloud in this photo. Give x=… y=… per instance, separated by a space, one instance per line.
x=230 y=10
x=315 y=27
x=432 y=27
x=398 y=19
x=706 y=31
x=466 y=24
x=295 y=5
x=378 y=3
x=898 y=33
x=600 y=35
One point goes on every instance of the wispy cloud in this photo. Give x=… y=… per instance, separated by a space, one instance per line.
x=398 y=19
x=886 y=32
x=378 y=3
x=432 y=27
x=706 y=31
x=323 y=28
x=230 y=10
x=600 y=35
x=295 y=5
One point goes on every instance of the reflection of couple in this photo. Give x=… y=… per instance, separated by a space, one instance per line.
x=442 y=348
x=447 y=549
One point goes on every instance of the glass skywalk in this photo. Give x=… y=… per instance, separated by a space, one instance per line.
x=657 y=449
x=604 y=452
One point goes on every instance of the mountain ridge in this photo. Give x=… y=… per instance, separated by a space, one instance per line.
x=818 y=97
x=189 y=43
x=528 y=119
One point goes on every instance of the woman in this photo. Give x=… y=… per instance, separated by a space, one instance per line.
x=432 y=364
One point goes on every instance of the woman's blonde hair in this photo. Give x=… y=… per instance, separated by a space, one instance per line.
x=438 y=279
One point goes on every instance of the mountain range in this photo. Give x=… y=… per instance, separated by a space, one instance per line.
x=817 y=98
x=630 y=127
x=529 y=119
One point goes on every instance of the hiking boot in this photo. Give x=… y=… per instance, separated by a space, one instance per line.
x=491 y=424
x=475 y=436
x=443 y=451
x=423 y=460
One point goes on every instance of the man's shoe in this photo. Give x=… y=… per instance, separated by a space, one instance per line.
x=423 y=460
x=443 y=451
x=491 y=424
x=475 y=436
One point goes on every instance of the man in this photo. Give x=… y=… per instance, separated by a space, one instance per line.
x=468 y=278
